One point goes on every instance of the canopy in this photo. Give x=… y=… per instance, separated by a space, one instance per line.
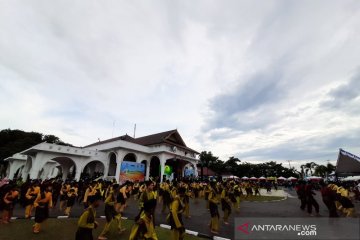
x=347 y=164
x=292 y=179
x=281 y=178
x=314 y=178
x=253 y=178
x=262 y=178
x=230 y=176
x=351 y=178
x=271 y=178
x=244 y=177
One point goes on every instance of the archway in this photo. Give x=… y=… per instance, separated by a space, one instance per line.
x=68 y=167
x=112 y=164
x=93 y=169
x=130 y=157
x=154 y=167
x=174 y=168
x=18 y=172
x=188 y=170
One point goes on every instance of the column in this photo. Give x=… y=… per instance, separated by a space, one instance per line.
x=195 y=170
x=147 y=174
x=37 y=165
x=120 y=156
x=162 y=167
x=27 y=168
x=65 y=171
x=12 y=170
x=77 y=174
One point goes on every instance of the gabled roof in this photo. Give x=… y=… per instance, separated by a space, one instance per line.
x=171 y=137
x=347 y=164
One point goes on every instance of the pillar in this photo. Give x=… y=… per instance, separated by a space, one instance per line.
x=162 y=167
x=37 y=165
x=147 y=173
x=119 y=158
x=195 y=170
x=14 y=166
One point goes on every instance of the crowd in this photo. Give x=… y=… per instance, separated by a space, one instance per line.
x=38 y=196
x=338 y=197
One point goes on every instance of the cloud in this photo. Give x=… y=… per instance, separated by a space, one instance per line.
x=234 y=78
x=346 y=96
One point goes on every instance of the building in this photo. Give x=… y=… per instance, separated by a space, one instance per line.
x=47 y=160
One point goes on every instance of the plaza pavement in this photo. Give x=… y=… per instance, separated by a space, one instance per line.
x=200 y=216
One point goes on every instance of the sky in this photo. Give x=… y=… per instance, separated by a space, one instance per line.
x=258 y=80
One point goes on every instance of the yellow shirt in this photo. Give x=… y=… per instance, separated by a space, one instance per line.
x=87 y=219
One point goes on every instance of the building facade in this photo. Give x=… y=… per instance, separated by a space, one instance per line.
x=104 y=158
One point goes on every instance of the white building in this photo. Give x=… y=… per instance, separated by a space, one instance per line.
x=47 y=160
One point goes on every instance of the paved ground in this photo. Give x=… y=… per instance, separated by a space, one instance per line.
x=200 y=217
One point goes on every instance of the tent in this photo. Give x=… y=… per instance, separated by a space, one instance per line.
x=262 y=178
x=245 y=178
x=230 y=176
x=313 y=178
x=281 y=178
x=347 y=164
x=253 y=178
x=293 y=179
x=271 y=178
x=351 y=178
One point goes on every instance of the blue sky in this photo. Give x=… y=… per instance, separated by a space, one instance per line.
x=273 y=80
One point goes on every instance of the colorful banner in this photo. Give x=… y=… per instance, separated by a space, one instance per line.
x=132 y=171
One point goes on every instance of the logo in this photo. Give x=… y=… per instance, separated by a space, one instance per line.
x=244 y=228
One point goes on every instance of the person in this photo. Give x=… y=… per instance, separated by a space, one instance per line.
x=347 y=206
x=175 y=217
x=90 y=191
x=256 y=189
x=110 y=212
x=310 y=200
x=147 y=195
x=70 y=201
x=144 y=226
x=213 y=205
x=87 y=222
x=237 y=194
x=124 y=194
x=30 y=196
x=300 y=190
x=63 y=196
x=226 y=204
x=187 y=196
x=9 y=202
x=329 y=197
x=42 y=204
x=166 y=196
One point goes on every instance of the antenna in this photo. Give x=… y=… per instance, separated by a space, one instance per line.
x=134 y=129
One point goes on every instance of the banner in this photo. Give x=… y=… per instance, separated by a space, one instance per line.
x=132 y=171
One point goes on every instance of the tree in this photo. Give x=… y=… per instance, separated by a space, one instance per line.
x=232 y=164
x=207 y=159
x=14 y=141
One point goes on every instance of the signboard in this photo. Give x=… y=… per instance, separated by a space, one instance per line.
x=132 y=171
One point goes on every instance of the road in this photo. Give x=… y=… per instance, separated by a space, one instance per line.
x=200 y=217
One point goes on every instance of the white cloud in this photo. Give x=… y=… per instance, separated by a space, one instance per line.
x=235 y=78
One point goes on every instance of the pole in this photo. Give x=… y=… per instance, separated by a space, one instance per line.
x=134 y=129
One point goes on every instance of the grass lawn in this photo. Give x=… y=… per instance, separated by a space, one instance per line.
x=261 y=198
x=64 y=229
